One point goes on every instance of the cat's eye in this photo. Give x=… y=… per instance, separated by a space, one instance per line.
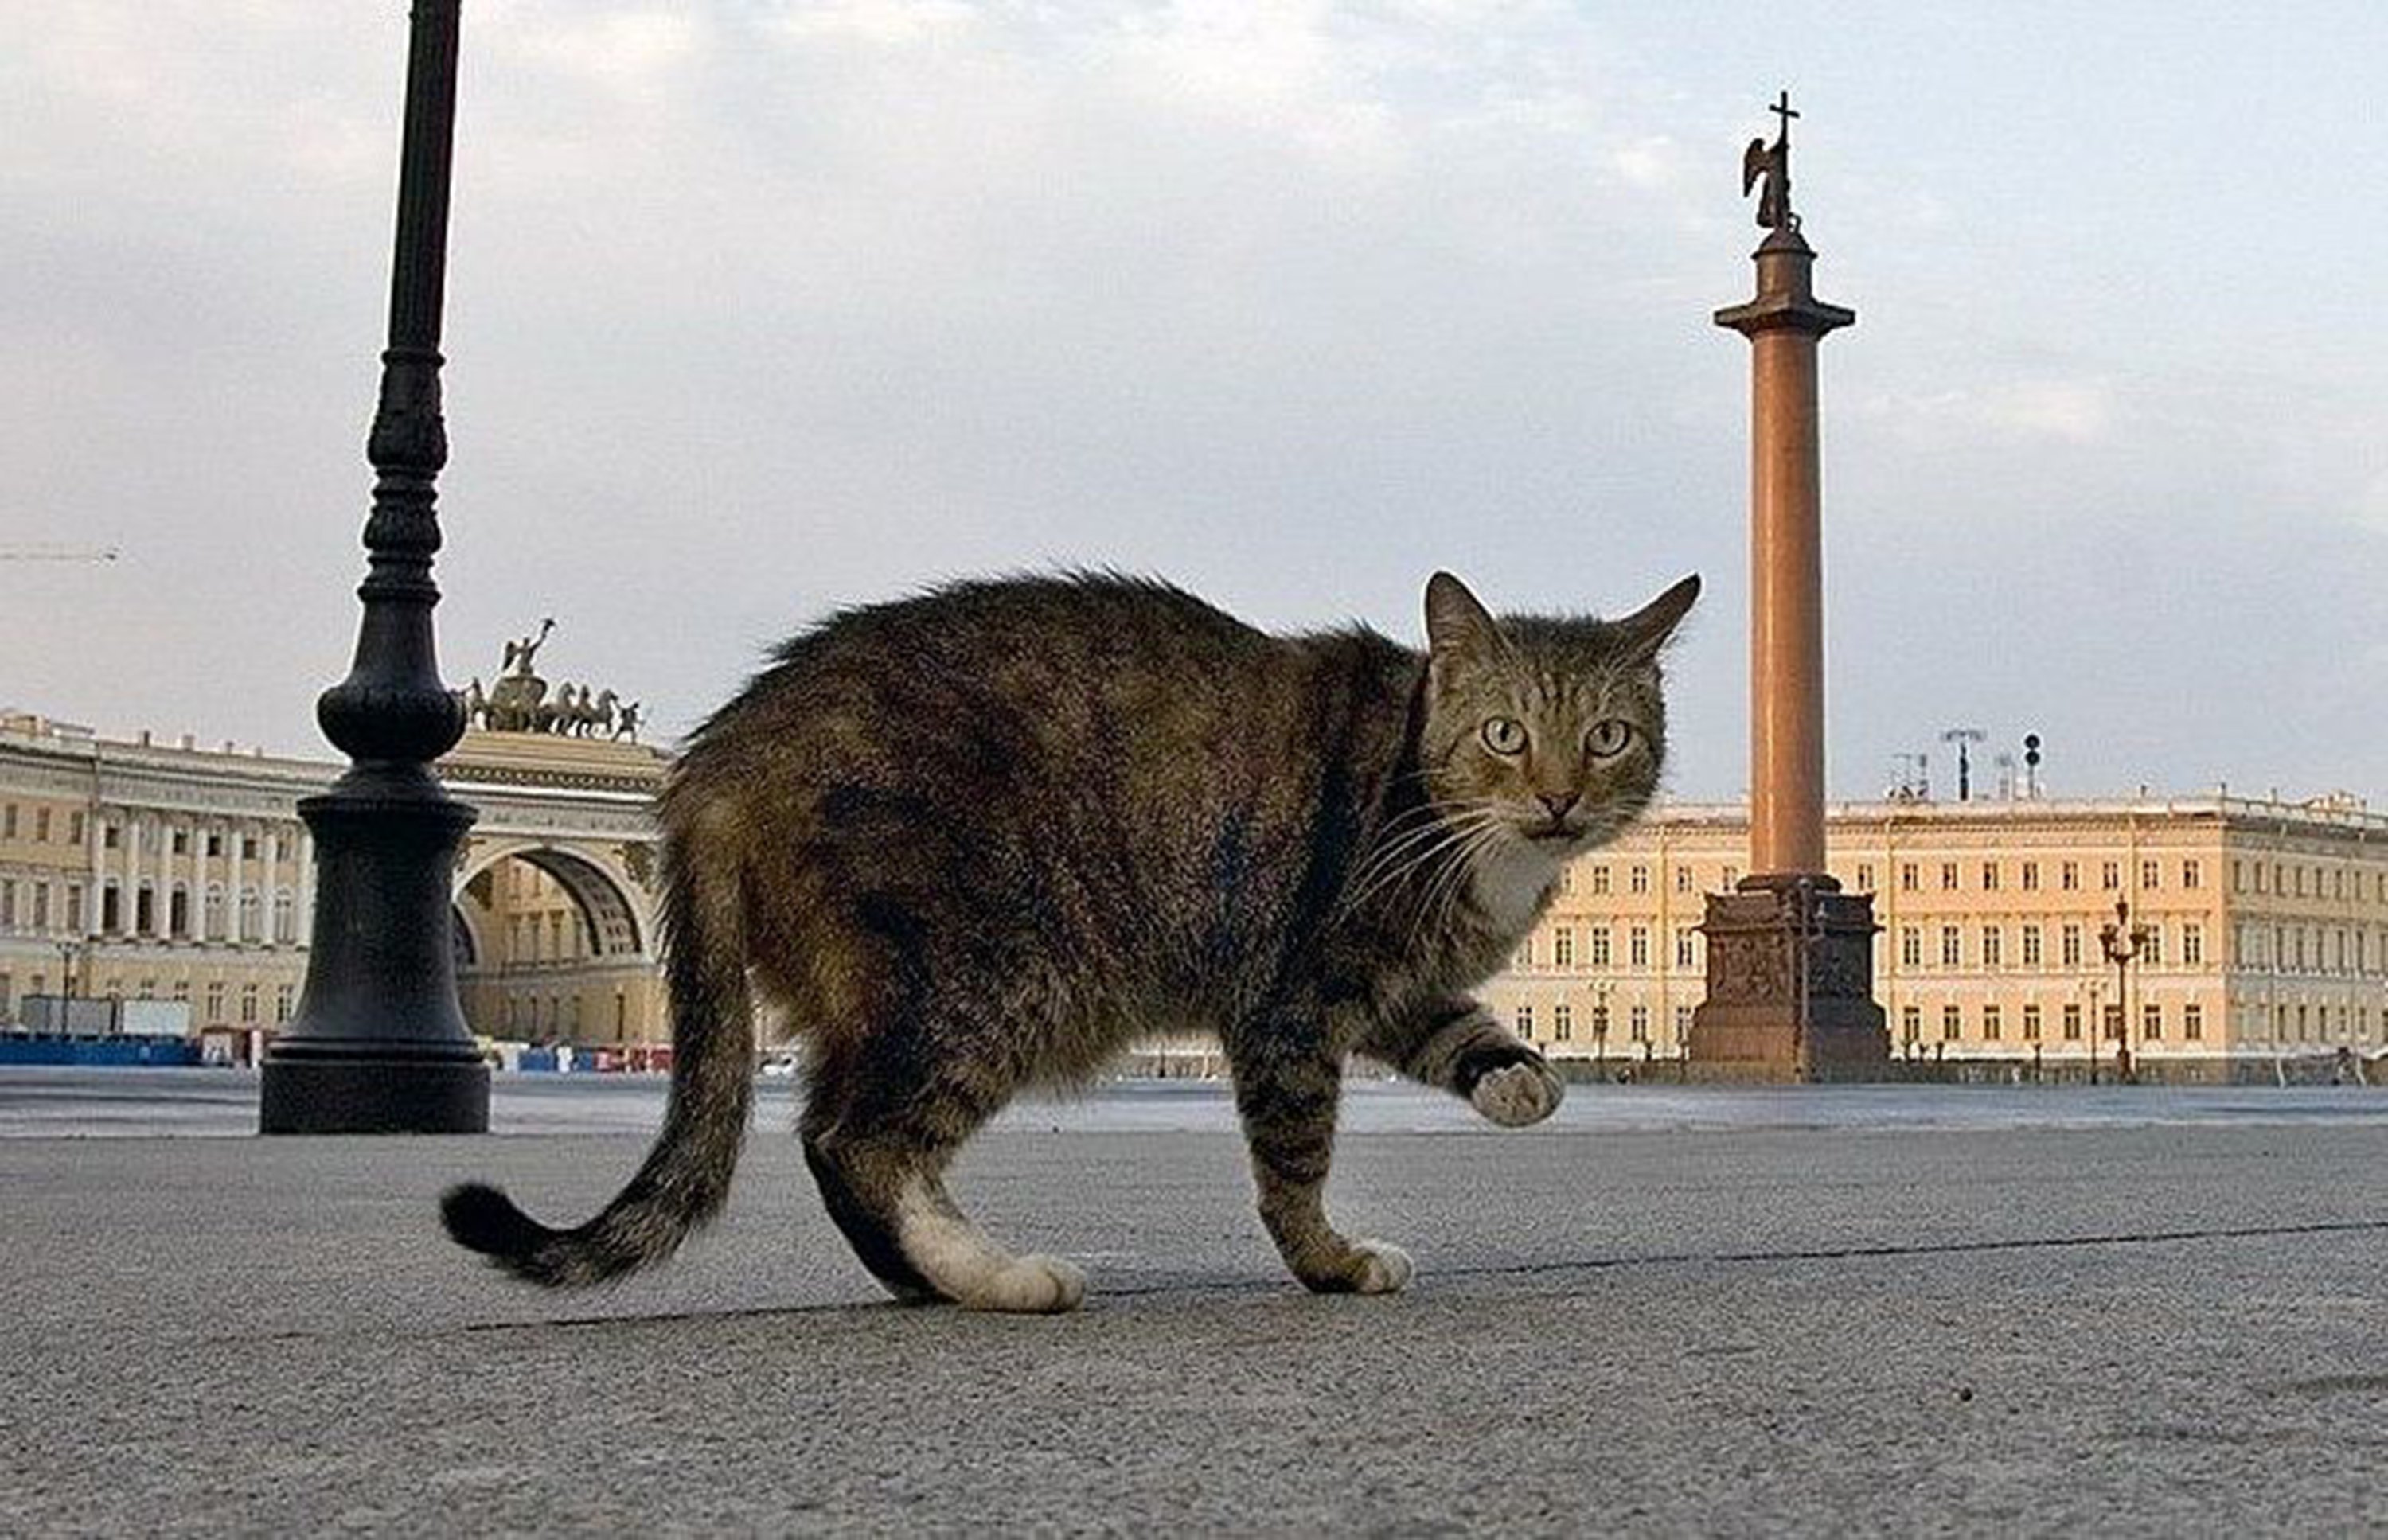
x=1608 y=739
x=1505 y=735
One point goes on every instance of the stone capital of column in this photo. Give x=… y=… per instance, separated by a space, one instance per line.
x=1785 y=312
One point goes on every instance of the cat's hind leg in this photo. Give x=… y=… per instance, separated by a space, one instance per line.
x=879 y=1151
x=1288 y=1086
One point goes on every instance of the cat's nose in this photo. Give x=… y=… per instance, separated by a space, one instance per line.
x=1557 y=801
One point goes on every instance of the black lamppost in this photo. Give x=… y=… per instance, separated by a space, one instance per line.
x=1600 y=1028
x=378 y=1044
x=2122 y=941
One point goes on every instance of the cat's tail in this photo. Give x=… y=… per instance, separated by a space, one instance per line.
x=686 y=1176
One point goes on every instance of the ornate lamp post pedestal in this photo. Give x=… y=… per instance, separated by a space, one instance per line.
x=378 y=1044
x=1790 y=972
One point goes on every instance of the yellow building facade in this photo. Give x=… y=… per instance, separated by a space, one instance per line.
x=142 y=870
x=2263 y=931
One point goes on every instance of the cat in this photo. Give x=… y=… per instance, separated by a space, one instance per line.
x=980 y=839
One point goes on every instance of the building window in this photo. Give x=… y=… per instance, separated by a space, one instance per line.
x=1993 y=947
x=1637 y=1021
x=1637 y=879
x=1563 y=947
x=285 y=919
x=74 y=828
x=1948 y=877
x=2150 y=874
x=2031 y=1024
x=215 y=843
x=2152 y=947
x=111 y=906
x=2031 y=946
x=1567 y=885
x=1598 y=949
x=41 y=827
x=215 y=1000
x=249 y=1004
x=2238 y=876
x=1989 y=877
x=8 y=822
x=1682 y=879
x=1562 y=1022
x=2192 y=944
x=249 y=847
x=2031 y=876
x=1683 y=947
x=1952 y=1022
x=1524 y=961
x=1682 y=1024
x=1525 y=1024
x=2110 y=876
x=1910 y=946
x=2068 y=875
x=1729 y=879
x=1907 y=877
x=1866 y=877
x=1992 y=1023
x=1638 y=947
x=2114 y=1023
x=2152 y=1021
x=2072 y=1018
x=2192 y=1021
x=2068 y=947
x=1952 y=952
x=2191 y=876
x=1600 y=878
x=178 y=841
x=1910 y=1023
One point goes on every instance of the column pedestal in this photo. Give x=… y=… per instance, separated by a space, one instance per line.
x=1790 y=981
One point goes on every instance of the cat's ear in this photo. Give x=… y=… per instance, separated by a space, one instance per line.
x=1456 y=627
x=1647 y=630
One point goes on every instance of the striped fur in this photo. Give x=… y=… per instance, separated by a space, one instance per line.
x=979 y=840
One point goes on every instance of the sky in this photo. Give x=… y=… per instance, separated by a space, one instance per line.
x=759 y=311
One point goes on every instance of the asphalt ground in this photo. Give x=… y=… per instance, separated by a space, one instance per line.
x=1805 y=1319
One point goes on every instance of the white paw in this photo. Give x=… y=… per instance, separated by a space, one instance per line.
x=1032 y=1285
x=1385 y=1270
x=1517 y=1095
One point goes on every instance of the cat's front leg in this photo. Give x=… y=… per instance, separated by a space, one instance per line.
x=1287 y=1084
x=1457 y=1046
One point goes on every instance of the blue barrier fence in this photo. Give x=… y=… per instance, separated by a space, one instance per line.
x=111 y=1053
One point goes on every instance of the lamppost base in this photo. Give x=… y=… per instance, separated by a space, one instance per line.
x=379 y=1043
x=360 y=1091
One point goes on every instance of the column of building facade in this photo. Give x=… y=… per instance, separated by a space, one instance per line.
x=306 y=897
x=127 y=909
x=236 y=831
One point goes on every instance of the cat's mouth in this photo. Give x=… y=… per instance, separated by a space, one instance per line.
x=1554 y=834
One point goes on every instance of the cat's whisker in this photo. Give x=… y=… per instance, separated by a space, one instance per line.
x=1412 y=851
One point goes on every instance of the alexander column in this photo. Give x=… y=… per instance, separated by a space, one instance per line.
x=1790 y=973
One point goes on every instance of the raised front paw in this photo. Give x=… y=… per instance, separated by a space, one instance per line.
x=1523 y=1091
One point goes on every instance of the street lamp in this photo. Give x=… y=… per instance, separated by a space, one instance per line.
x=2122 y=941
x=1600 y=1028
x=379 y=1044
x=2094 y=989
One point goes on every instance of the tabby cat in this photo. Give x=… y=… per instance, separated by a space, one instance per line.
x=981 y=839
